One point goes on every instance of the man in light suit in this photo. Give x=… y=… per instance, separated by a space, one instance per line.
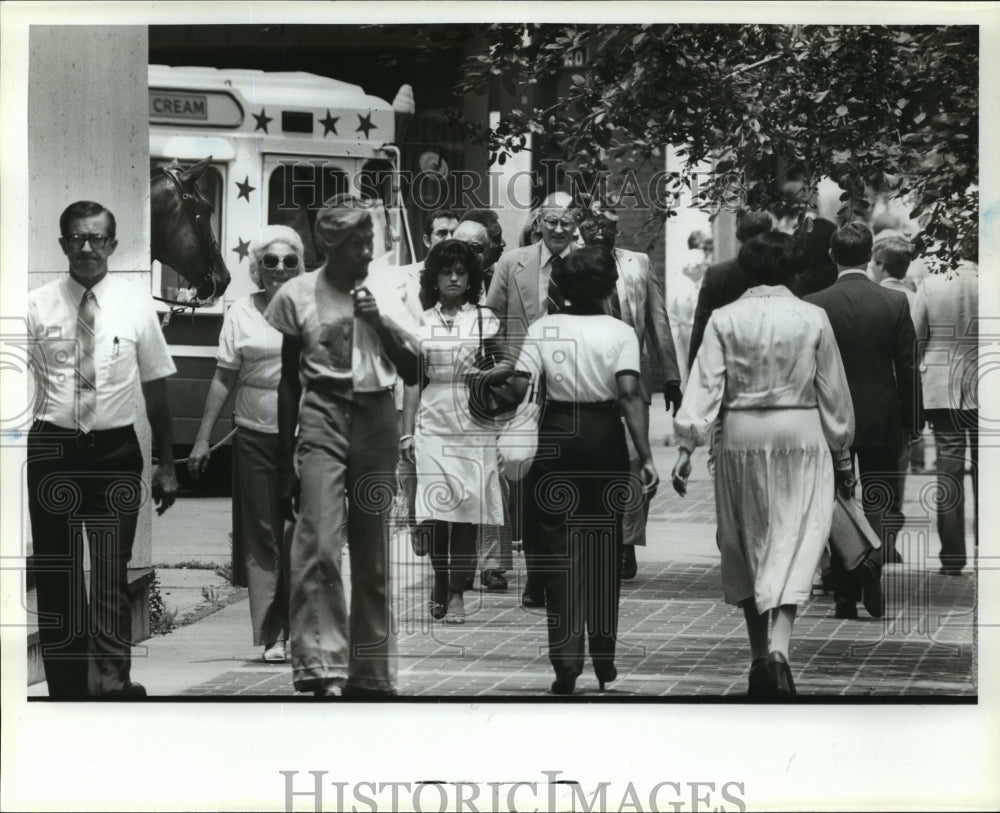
x=638 y=301
x=946 y=311
x=876 y=339
x=520 y=294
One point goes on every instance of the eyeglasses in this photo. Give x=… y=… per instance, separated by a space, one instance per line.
x=595 y=226
x=98 y=241
x=271 y=261
x=565 y=222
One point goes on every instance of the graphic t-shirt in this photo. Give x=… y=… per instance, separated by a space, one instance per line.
x=335 y=346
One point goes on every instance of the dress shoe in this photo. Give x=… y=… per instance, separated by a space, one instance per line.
x=780 y=673
x=760 y=681
x=871 y=588
x=845 y=608
x=609 y=676
x=493 y=581
x=564 y=684
x=129 y=691
x=950 y=571
x=629 y=566
x=533 y=598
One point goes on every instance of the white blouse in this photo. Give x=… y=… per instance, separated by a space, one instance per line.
x=249 y=344
x=580 y=356
x=767 y=350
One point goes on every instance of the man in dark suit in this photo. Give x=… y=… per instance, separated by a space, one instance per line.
x=876 y=339
x=724 y=282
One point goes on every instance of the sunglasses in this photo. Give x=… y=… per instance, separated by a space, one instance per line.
x=272 y=261
x=76 y=241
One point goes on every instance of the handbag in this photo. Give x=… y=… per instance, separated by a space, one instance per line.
x=850 y=534
x=518 y=440
x=490 y=402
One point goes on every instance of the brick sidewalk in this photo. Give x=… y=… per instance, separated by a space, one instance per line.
x=677 y=640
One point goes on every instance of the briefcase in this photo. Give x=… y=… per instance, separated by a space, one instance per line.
x=851 y=535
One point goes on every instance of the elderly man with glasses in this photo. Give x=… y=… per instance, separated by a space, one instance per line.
x=522 y=292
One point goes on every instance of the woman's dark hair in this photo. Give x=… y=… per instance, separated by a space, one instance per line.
x=440 y=259
x=772 y=258
x=821 y=271
x=586 y=279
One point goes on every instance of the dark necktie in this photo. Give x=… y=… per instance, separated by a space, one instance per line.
x=554 y=301
x=86 y=378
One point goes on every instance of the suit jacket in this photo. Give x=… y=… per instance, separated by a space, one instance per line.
x=644 y=308
x=723 y=283
x=877 y=344
x=513 y=293
x=946 y=316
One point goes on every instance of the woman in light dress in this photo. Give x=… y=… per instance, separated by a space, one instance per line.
x=458 y=478
x=770 y=371
x=249 y=357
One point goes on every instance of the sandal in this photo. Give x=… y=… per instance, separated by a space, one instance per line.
x=275 y=653
x=456 y=609
x=439 y=595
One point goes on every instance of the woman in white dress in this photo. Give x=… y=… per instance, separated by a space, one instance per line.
x=770 y=371
x=249 y=357
x=458 y=477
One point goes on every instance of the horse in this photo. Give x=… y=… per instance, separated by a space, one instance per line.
x=181 y=231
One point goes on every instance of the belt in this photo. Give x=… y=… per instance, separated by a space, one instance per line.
x=92 y=438
x=577 y=406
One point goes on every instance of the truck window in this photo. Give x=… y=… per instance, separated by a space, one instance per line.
x=210 y=185
x=294 y=199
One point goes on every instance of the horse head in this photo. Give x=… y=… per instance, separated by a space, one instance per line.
x=181 y=229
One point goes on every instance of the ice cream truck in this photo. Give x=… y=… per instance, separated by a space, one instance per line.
x=280 y=145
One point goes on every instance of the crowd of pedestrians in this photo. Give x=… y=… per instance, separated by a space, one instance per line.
x=807 y=365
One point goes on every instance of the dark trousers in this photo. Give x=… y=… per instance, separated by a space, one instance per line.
x=881 y=498
x=84 y=486
x=574 y=506
x=453 y=552
x=266 y=537
x=955 y=431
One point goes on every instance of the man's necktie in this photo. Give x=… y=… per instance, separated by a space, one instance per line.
x=86 y=377
x=554 y=301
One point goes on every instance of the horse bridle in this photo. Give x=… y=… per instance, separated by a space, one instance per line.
x=194 y=206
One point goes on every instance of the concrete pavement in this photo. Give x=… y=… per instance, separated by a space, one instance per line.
x=678 y=640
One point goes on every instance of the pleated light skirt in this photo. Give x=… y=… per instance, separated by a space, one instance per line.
x=774 y=504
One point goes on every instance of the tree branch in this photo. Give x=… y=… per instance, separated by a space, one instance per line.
x=756 y=64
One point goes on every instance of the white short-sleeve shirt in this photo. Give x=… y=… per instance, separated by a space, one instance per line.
x=249 y=344
x=580 y=356
x=128 y=344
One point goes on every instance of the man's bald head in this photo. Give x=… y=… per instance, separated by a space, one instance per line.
x=558 y=218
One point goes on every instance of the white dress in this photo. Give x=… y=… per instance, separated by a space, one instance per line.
x=458 y=475
x=770 y=369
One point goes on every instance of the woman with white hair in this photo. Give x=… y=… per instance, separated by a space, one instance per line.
x=249 y=356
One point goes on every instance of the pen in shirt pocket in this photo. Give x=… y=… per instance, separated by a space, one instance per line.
x=116 y=346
